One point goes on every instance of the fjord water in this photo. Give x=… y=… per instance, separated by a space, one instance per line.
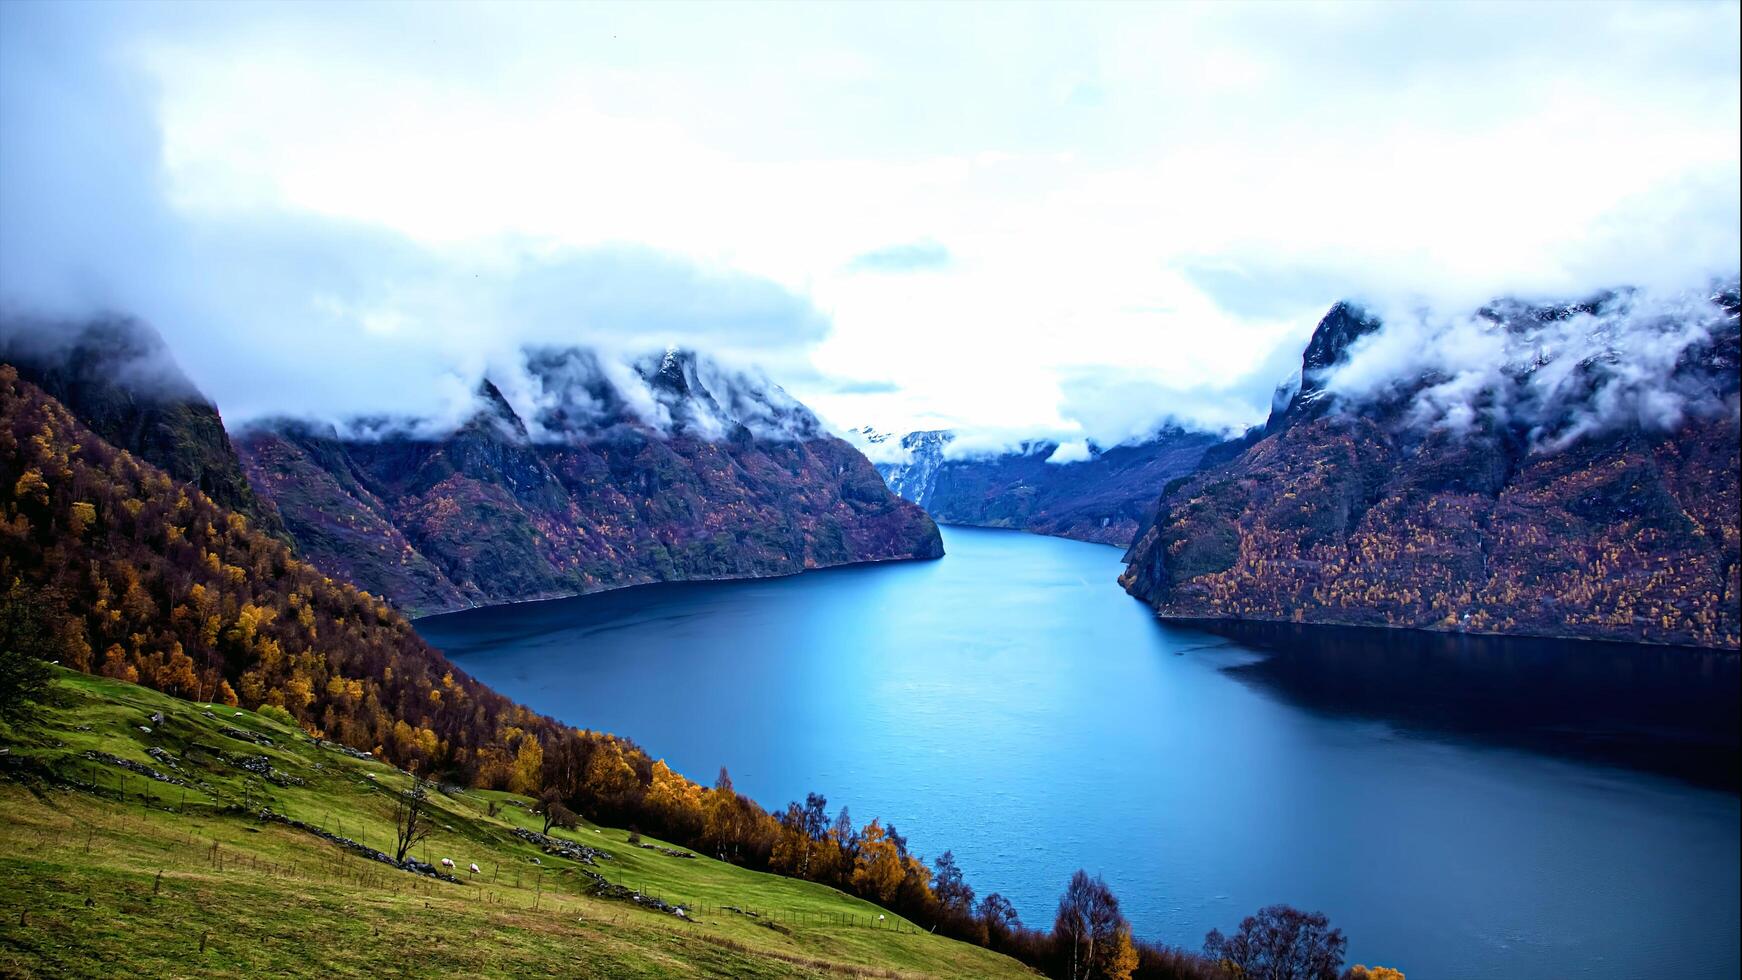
x=1012 y=703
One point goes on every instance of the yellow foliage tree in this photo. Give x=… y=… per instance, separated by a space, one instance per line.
x=877 y=873
x=527 y=773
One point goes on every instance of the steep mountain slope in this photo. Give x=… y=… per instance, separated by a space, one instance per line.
x=1104 y=498
x=1551 y=470
x=117 y=376
x=667 y=469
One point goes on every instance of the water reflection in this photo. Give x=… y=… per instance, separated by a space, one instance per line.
x=1669 y=710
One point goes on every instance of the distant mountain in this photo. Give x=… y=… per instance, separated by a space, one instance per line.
x=1104 y=498
x=668 y=468
x=118 y=378
x=1567 y=470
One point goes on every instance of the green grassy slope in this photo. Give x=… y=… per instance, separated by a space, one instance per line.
x=107 y=868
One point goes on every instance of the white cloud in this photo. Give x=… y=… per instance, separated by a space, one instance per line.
x=1075 y=451
x=1161 y=198
x=1553 y=380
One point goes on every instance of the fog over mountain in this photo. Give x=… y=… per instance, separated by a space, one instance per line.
x=1011 y=246
x=1614 y=361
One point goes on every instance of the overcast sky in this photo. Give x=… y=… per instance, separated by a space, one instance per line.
x=1069 y=219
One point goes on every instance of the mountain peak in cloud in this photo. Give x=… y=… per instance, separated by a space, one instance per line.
x=1542 y=372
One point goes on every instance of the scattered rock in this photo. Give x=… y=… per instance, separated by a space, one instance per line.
x=561 y=848
x=242 y=736
x=411 y=864
x=605 y=889
x=133 y=767
x=342 y=749
x=261 y=766
x=667 y=851
x=164 y=758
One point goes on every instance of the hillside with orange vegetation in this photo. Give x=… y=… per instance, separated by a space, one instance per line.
x=741 y=482
x=1530 y=521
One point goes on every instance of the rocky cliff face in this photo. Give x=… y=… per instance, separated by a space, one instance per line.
x=609 y=475
x=1563 y=470
x=120 y=380
x=1104 y=498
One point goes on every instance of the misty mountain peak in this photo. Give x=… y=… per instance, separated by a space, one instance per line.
x=116 y=374
x=495 y=415
x=1544 y=373
x=119 y=353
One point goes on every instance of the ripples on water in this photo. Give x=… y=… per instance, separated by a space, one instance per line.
x=1460 y=807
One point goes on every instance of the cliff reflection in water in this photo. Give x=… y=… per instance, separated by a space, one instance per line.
x=1669 y=710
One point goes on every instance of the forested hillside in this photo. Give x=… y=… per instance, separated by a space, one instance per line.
x=1576 y=476
x=724 y=476
x=116 y=374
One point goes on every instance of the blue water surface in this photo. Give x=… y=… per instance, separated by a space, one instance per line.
x=1011 y=703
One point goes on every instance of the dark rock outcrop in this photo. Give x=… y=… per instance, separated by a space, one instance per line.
x=131 y=766
x=117 y=376
x=581 y=853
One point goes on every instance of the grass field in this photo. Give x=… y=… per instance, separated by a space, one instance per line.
x=109 y=872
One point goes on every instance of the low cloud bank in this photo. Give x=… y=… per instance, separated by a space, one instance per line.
x=575 y=394
x=1630 y=358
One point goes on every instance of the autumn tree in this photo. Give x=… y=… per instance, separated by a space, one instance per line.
x=1000 y=919
x=1090 y=934
x=411 y=818
x=675 y=803
x=801 y=840
x=25 y=649
x=843 y=853
x=1359 y=972
x=791 y=854
x=1280 y=943
x=877 y=872
x=527 y=771
x=550 y=806
x=953 y=892
x=816 y=816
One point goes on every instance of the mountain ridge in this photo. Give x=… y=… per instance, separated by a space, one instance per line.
x=698 y=474
x=117 y=375
x=1104 y=498
x=1515 y=508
